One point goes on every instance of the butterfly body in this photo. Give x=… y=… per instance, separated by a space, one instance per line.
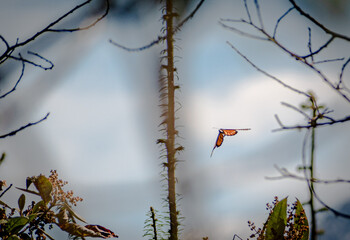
x=223 y=133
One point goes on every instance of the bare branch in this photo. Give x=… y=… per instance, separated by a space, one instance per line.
x=19 y=79
x=317 y=23
x=24 y=127
x=86 y=27
x=20 y=58
x=178 y=27
x=239 y=31
x=48 y=28
x=320 y=49
x=2 y=194
x=279 y=20
x=159 y=38
x=151 y=44
x=259 y=13
x=342 y=72
x=331 y=122
x=247 y=10
x=295 y=109
x=286 y=174
x=309 y=45
x=267 y=74
x=336 y=212
x=329 y=60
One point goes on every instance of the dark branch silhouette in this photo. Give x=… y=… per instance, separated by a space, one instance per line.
x=317 y=23
x=7 y=53
x=284 y=174
x=15 y=86
x=49 y=28
x=24 y=127
x=159 y=38
x=311 y=188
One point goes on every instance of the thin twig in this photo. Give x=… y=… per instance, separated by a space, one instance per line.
x=283 y=127
x=279 y=20
x=20 y=58
x=159 y=38
x=247 y=10
x=320 y=49
x=267 y=74
x=309 y=45
x=86 y=27
x=317 y=23
x=286 y=174
x=259 y=13
x=241 y=32
x=329 y=60
x=48 y=28
x=2 y=194
x=336 y=212
x=19 y=79
x=342 y=72
x=296 y=109
x=24 y=127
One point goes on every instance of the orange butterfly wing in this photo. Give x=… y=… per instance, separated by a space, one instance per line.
x=229 y=132
x=222 y=134
x=219 y=141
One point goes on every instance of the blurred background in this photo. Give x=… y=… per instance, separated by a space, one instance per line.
x=103 y=102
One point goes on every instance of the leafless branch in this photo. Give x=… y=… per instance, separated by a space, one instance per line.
x=284 y=173
x=19 y=79
x=24 y=127
x=82 y=28
x=342 y=72
x=279 y=20
x=317 y=23
x=320 y=49
x=49 y=28
x=257 y=7
x=247 y=11
x=159 y=38
x=302 y=59
x=20 y=58
x=296 y=109
x=267 y=74
x=308 y=126
x=241 y=32
x=329 y=60
x=309 y=45
x=2 y=194
x=334 y=211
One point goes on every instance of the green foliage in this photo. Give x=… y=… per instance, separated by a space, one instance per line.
x=53 y=208
x=285 y=222
x=277 y=221
x=154 y=225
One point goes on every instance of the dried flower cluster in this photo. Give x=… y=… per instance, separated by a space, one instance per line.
x=58 y=194
x=296 y=226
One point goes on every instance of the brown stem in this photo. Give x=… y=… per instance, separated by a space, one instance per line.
x=171 y=121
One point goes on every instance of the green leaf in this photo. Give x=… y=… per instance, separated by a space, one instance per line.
x=21 y=202
x=29 y=181
x=37 y=206
x=277 y=221
x=28 y=191
x=300 y=221
x=4 y=204
x=14 y=225
x=73 y=214
x=44 y=187
x=14 y=237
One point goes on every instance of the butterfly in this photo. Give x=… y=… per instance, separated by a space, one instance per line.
x=223 y=133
